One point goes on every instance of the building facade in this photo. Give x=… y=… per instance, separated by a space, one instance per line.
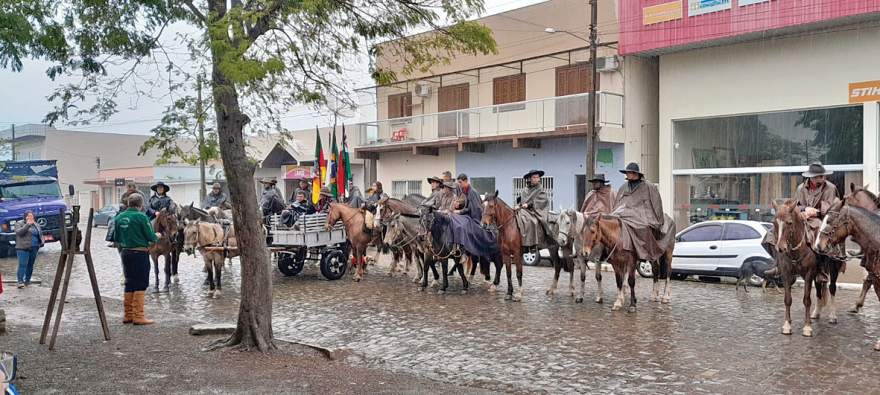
x=184 y=181
x=494 y=117
x=753 y=91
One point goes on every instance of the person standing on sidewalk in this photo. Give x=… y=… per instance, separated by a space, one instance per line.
x=134 y=235
x=28 y=240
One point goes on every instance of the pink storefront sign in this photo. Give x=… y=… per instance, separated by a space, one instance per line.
x=707 y=21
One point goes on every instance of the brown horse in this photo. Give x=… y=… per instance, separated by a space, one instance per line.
x=603 y=231
x=355 y=228
x=795 y=257
x=165 y=225
x=498 y=214
x=862 y=197
x=862 y=225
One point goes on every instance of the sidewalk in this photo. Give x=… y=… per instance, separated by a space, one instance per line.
x=164 y=358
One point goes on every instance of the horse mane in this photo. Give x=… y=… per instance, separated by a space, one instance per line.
x=399 y=206
x=870 y=194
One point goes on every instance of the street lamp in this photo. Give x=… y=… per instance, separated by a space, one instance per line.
x=551 y=30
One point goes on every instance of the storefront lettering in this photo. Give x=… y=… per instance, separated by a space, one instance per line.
x=861 y=92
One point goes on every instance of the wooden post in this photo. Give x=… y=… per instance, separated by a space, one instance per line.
x=70 y=249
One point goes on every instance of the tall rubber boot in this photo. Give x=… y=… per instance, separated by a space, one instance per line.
x=129 y=308
x=139 y=309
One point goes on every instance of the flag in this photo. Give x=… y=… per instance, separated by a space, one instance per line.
x=332 y=167
x=318 y=168
x=343 y=174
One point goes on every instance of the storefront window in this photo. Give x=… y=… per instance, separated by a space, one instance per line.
x=700 y=198
x=793 y=138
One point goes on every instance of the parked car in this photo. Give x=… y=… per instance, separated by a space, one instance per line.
x=716 y=249
x=103 y=216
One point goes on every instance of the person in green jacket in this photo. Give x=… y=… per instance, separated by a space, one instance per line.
x=134 y=235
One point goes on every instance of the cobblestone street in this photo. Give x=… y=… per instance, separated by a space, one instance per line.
x=709 y=339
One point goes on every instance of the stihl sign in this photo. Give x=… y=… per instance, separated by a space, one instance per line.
x=862 y=92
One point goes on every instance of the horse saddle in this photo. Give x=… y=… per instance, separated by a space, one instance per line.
x=369 y=219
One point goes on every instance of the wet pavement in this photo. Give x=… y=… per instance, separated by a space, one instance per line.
x=709 y=339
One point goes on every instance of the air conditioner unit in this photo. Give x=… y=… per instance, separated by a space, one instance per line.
x=607 y=64
x=423 y=89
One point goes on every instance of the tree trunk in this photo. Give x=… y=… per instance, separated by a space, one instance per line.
x=254 y=328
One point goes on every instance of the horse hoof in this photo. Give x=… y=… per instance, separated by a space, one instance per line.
x=154 y=290
x=549 y=293
x=517 y=298
x=832 y=320
x=441 y=292
x=600 y=300
x=808 y=331
x=632 y=309
x=210 y=294
x=786 y=328
x=464 y=292
x=217 y=294
x=615 y=307
x=654 y=299
x=814 y=316
x=175 y=279
x=664 y=301
x=357 y=279
x=877 y=346
x=508 y=297
x=421 y=289
x=493 y=289
x=855 y=310
x=435 y=284
x=579 y=300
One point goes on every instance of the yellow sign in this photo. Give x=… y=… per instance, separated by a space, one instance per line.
x=662 y=13
x=862 y=92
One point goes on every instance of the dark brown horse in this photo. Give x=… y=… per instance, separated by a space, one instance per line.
x=355 y=228
x=498 y=214
x=862 y=197
x=863 y=226
x=166 y=226
x=795 y=257
x=603 y=231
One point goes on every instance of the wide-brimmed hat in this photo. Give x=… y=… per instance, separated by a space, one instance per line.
x=435 y=179
x=268 y=181
x=160 y=184
x=632 y=167
x=816 y=169
x=449 y=184
x=599 y=178
x=528 y=175
x=325 y=191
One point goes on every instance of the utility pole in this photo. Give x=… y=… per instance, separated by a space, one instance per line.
x=592 y=102
x=13 y=142
x=200 y=121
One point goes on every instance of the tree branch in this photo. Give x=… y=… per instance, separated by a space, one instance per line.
x=195 y=10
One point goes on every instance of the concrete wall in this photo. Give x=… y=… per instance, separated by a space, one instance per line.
x=640 y=113
x=403 y=165
x=798 y=72
x=561 y=159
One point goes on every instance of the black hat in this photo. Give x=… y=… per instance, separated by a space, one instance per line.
x=598 y=178
x=528 y=175
x=158 y=184
x=268 y=180
x=816 y=169
x=632 y=167
x=435 y=179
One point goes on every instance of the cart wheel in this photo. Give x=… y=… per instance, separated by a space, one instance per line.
x=291 y=263
x=333 y=264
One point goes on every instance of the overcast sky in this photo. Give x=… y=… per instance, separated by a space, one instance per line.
x=23 y=97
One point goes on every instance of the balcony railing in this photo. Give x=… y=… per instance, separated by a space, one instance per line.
x=547 y=115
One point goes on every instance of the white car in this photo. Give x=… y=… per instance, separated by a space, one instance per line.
x=717 y=249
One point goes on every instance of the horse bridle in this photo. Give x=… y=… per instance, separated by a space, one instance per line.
x=832 y=227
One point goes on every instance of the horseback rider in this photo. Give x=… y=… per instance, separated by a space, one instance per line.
x=643 y=225
x=442 y=196
x=160 y=199
x=469 y=199
x=600 y=200
x=271 y=201
x=377 y=193
x=355 y=198
x=216 y=198
x=534 y=211
x=815 y=197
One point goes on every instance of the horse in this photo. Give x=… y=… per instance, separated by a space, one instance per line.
x=862 y=197
x=570 y=226
x=436 y=226
x=166 y=226
x=795 y=257
x=215 y=245
x=404 y=232
x=603 y=231
x=862 y=225
x=386 y=208
x=498 y=214
x=359 y=236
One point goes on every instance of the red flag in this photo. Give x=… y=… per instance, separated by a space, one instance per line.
x=341 y=165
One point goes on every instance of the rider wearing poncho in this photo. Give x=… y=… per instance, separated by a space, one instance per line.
x=645 y=230
x=534 y=212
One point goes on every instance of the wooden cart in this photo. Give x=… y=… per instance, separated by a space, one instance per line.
x=309 y=241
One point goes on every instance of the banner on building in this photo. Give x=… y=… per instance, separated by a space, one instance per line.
x=863 y=92
x=293 y=172
x=750 y=2
x=700 y=7
x=664 y=12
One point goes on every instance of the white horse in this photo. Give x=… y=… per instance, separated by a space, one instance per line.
x=214 y=244
x=570 y=226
